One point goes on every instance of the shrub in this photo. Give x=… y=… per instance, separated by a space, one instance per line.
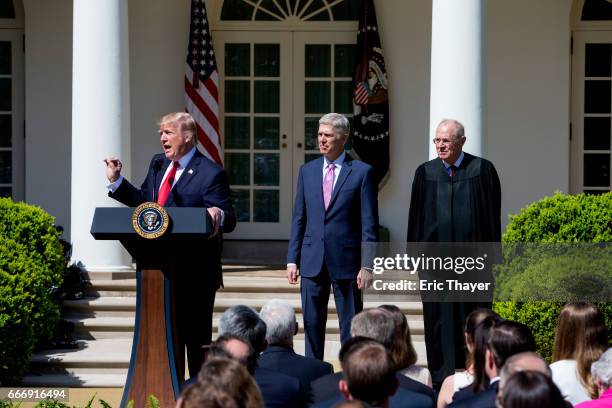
x=31 y=265
x=539 y=272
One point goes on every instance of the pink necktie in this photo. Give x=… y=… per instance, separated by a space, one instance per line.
x=328 y=184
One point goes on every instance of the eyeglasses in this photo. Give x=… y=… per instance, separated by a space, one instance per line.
x=444 y=142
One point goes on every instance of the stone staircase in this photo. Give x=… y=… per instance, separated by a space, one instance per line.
x=104 y=322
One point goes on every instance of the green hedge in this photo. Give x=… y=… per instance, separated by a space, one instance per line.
x=31 y=266
x=558 y=219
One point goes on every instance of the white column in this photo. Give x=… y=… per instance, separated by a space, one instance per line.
x=457 y=69
x=100 y=121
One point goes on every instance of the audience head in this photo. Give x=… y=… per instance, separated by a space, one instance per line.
x=507 y=339
x=279 y=317
x=230 y=346
x=352 y=404
x=368 y=373
x=232 y=377
x=531 y=389
x=526 y=361
x=581 y=336
x=481 y=335
x=402 y=351
x=205 y=396
x=376 y=324
x=469 y=332
x=244 y=323
x=601 y=370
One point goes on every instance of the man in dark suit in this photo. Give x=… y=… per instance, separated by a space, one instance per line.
x=369 y=376
x=278 y=390
x=336 y=209
x=279 y=356
x=373 y=324
x=183 y=177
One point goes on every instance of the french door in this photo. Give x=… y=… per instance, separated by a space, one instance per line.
x=591 y=111
x=274 y=88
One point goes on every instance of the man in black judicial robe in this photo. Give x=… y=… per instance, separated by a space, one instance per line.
x=456 y=197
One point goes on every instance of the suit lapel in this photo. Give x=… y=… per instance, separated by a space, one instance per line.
x=316 y=175
x=344 y=172
x=188 y=174
x=160 y=178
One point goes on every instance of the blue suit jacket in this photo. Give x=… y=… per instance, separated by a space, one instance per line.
x=202 y=184
x=277 y=389
x=333 y=236
x=286 y=361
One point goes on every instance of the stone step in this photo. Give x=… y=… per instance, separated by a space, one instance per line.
x=92 y=380
x=224 y=300
x=126 y=324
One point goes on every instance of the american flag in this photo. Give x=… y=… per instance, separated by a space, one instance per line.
x=361 y=94
x=201 y=83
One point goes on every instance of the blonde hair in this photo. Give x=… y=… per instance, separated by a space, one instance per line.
x=581 y=336
x=183 y=121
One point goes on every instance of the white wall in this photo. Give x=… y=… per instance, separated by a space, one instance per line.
x=48 y=105
x=528 y=98
x=405 y=30
x=159 y=31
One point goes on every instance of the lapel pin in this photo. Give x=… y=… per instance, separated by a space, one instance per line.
x=190 y=171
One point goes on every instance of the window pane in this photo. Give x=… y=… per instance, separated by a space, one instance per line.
x=266 y=133
x=7 y=9
x=236 y=10
x=318 y=60
x=241 y=200
x=237 y=96
x=310 y=156
x=267 y=169
x=596 y=96
x=346 y=10
x=6 y=192
x=263 y=16
x=596 y=192
x=594 y=10
x=238 y=167
x=237 y=59
x=266 y=206
x=315 y=6
x=267 y=60
x=344 y=59
x=597 y=170
x=267 y=97
x=237 y=134
x=6 y=130
x=318 y=95
x=596 y=133
x=5 y=57
x=311 y=128
x=597 y=60
x=6 y=162
x=343 y=97
x=6 y=94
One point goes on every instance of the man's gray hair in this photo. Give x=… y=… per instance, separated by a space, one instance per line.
x=602 y=369
x=243 y=322
x=280 y=321
x=459 y=130
x=338 y=121
x=516 y=363
x=376 y=324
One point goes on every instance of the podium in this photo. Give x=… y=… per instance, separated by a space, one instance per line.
x=153 y=368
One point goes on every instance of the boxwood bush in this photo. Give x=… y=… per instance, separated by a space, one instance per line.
x=555 y=220
x=31 y=266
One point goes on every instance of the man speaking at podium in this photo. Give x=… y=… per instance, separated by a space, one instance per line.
x=184 y=177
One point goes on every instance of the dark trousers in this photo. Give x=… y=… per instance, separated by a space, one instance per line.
x=315 y=296
x=194 y=300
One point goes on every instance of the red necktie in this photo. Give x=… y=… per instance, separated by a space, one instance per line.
x=167 y=184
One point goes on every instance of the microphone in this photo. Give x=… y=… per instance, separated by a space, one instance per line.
x=157 y=166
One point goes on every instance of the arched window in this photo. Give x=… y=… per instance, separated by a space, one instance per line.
x=297 y=10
